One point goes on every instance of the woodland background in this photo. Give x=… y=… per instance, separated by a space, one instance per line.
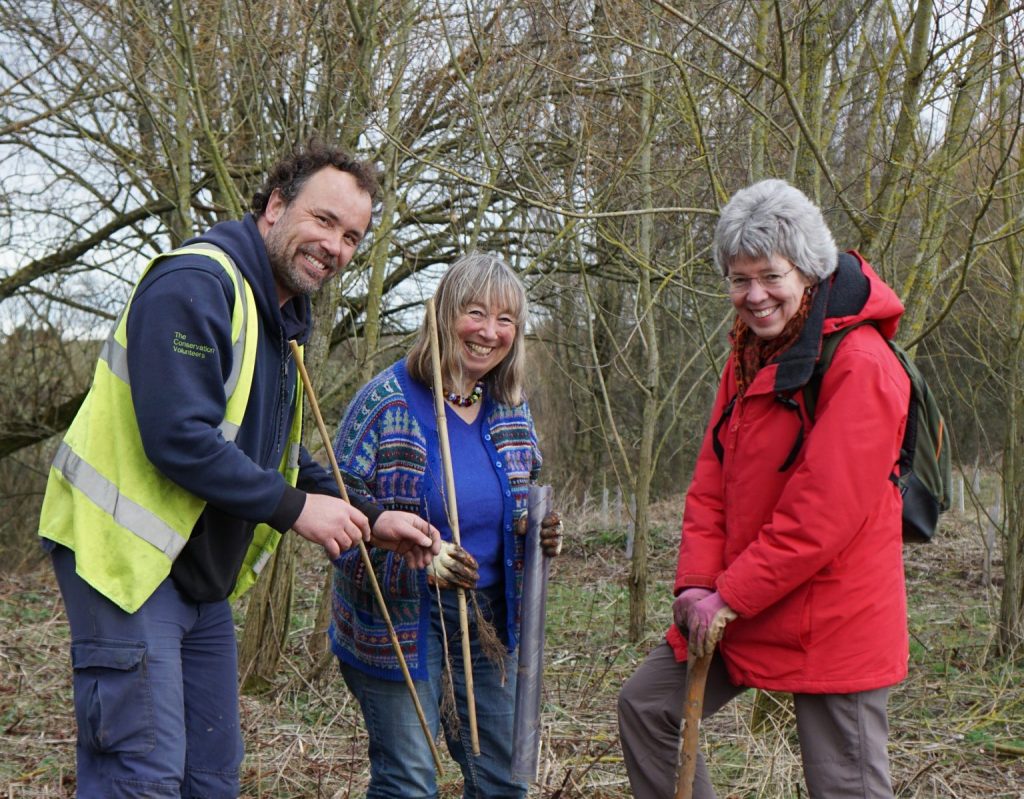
x=589 y=143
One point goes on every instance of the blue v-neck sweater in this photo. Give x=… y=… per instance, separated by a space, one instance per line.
x=388 y=450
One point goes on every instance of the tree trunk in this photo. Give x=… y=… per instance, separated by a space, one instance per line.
x=1011 y=605
x=267 y=619
x=814 y=65
x=923 y=277
x=883 y=210
x=759 y=121
x=638 y=568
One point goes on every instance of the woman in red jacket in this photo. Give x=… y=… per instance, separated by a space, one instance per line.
x=791 y=547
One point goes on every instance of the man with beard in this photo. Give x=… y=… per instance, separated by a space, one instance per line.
x=182 y=470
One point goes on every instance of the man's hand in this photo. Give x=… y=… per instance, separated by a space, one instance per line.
x=454 y=567
x=408 y=535
x=332 y=523
x=687 y=598
x=706 y=622
x=550 y=532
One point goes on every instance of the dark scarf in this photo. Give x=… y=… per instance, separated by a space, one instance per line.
x=753 y=352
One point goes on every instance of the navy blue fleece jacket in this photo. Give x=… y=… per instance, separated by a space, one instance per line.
x=178 y=394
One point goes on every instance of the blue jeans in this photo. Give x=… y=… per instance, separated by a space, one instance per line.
x=401 y=766
x=156 y=693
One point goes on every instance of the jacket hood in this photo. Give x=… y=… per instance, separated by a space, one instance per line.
x=243 y=242
x=853 y=294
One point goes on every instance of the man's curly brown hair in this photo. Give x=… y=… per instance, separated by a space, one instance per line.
x=290 y=174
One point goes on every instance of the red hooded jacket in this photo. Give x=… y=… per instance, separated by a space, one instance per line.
x=811 y=557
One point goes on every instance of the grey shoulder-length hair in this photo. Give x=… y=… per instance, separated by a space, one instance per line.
x=772 y=217
x=487 y=280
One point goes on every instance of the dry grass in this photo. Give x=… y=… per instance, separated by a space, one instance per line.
x=957 y=722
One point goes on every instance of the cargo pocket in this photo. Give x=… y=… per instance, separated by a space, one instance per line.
x=113 y=703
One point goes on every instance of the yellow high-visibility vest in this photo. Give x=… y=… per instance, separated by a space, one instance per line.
x=125 y=521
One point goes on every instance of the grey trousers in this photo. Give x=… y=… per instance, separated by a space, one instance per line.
x=843 y=737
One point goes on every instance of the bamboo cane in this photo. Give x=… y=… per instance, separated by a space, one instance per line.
x=315 y=407
x=453 y=516
x=696 y=678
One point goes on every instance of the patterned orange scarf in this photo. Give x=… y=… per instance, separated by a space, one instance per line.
x=753 y=352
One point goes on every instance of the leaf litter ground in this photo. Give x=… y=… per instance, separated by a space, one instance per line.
x=957 y=721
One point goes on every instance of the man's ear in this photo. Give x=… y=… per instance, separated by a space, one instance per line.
x=276 y=206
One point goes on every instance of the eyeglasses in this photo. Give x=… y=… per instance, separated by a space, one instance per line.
x=740 y=284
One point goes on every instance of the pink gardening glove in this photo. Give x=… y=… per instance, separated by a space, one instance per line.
x=706 y=622
x=687 y=598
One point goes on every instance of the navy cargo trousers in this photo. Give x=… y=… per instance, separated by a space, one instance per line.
x=156 y=693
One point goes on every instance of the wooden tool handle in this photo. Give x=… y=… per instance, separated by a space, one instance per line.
x=314 y=406
x=453 y=518
x=696 y=678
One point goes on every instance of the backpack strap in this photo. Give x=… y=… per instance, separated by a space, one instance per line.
x=811 y=389
x=909 y=446
x=789 y=402
x=829 y=345
x=793 y=405
x=726 y=413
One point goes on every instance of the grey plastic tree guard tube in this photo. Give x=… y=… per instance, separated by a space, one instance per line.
x=526 y=736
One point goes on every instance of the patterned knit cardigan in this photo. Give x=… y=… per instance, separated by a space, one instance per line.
x=387 y=448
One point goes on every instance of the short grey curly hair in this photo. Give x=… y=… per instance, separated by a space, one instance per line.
x=772 y=217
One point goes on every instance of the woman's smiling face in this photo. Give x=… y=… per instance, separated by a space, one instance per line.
x=485 y=335
x=767 y=294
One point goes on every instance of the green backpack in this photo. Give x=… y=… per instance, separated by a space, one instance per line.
x=926 y=477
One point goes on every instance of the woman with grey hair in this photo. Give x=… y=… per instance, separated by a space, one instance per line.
x=791 y=550
x=388 y=450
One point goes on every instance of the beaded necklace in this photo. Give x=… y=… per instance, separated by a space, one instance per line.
x=470 y=399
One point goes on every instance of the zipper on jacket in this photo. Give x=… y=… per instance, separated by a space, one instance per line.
x=282 y=399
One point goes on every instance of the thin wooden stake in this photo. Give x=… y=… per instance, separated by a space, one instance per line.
x=453 y=516
x=315 y=407
x=696 y=677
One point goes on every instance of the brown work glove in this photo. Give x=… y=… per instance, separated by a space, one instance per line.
x=453 y=567
x=550 y=533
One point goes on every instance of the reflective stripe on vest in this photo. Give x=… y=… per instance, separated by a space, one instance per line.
x=104 y=494
x=115 y=354
x=105 y=500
